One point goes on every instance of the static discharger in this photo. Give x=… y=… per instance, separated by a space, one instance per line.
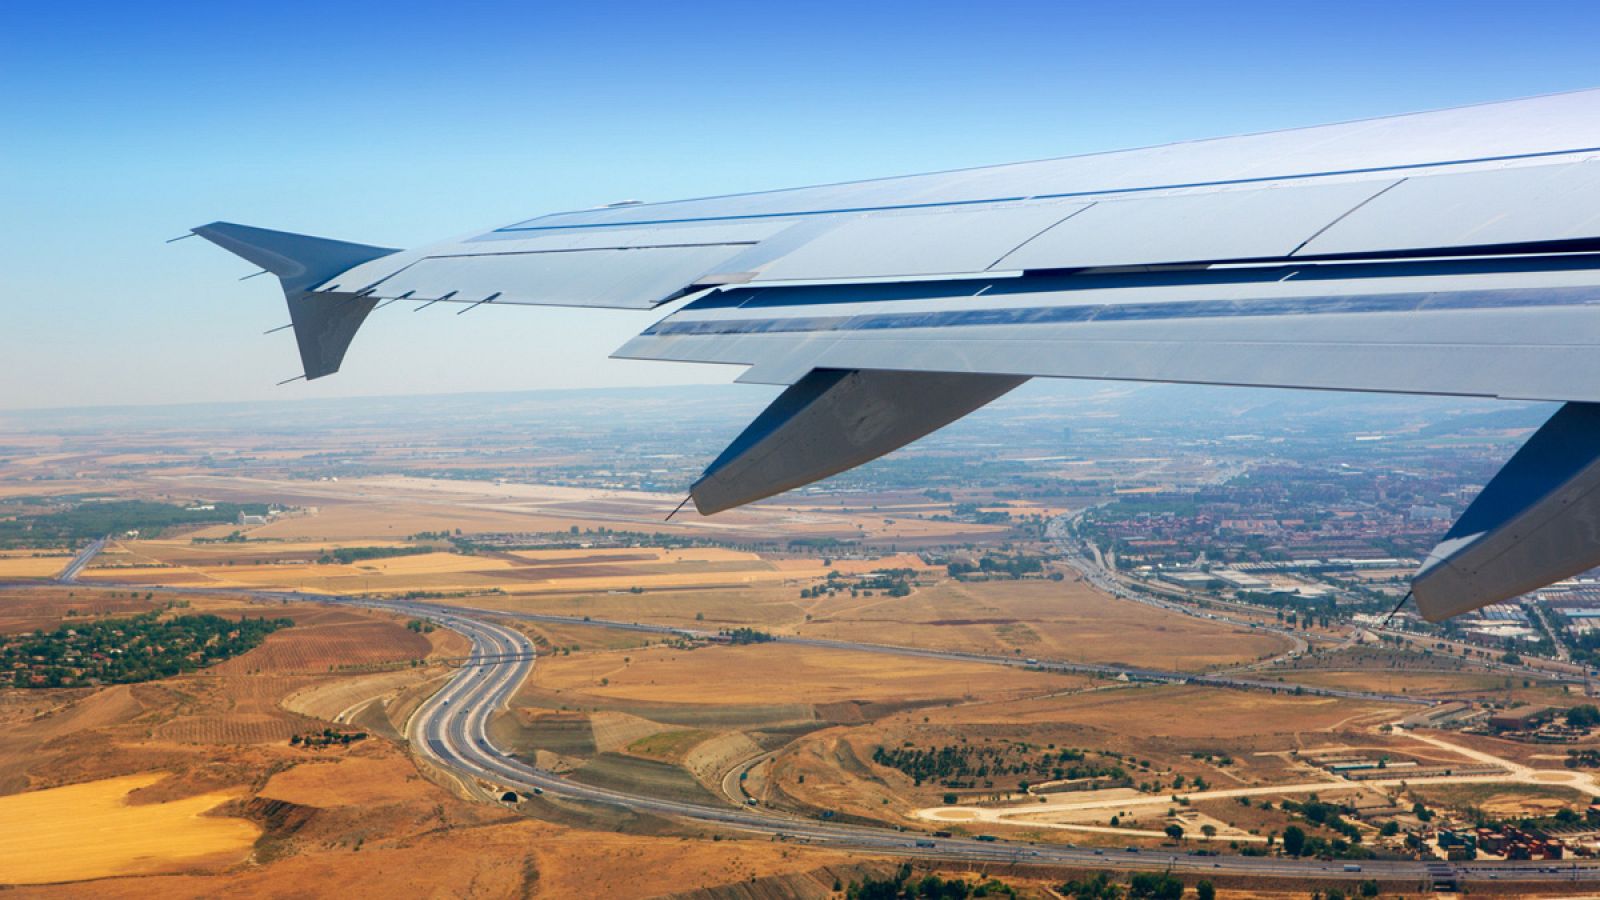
x=488 y=299
x=278 y=329
x=1396 y=610
x=432 y=302
x=678 y=509
x=288 y=380
x=254 y=275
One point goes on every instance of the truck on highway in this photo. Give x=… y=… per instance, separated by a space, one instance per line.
x=925 y=845
x=1351 y=867
x=987 y=837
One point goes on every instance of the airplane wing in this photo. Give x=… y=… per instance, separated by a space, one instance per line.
x=1452 y=252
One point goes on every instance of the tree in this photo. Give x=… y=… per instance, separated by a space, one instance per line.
x=1369 y=888
x=1294 y=840
x=1175 y=831
x=950 y=799
x=1155 y=886
x=1390 y=829
x=1097 y=887
x=1209 y=830
x=1205 y=891
x=1584 y=716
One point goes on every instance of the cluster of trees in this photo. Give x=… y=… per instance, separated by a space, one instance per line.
x=1585 y=647
x=894 y=582
x=1585 y=715
x=348 y=555
x=992 y=564
x=420 y=626
x=1583 y=759
x=747 y=636
x=1326 y=814
x=971 y=512
x=1296 y=842
x=902 y=886
x=232 y=537
x=964 y=765
x=1151 y=885
x=138 y=648
x=327 y=737
x=86 y=520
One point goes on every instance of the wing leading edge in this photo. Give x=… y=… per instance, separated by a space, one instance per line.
x=1454 y=252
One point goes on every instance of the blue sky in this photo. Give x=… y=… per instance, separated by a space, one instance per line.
x=122 y=124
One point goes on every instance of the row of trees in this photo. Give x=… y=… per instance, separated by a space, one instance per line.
x=963 y=765
x=902 y=886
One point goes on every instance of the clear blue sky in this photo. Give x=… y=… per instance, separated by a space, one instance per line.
x=122 y=124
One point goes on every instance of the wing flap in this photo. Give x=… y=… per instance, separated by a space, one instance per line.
x=1523 y=205
x=1258 y=223
x=945 y=241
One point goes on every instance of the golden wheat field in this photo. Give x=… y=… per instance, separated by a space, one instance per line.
x=28 y=565
x=91 y=831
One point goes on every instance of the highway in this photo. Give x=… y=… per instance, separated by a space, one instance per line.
x=69 y=575
x=1122 y=587
x=451 y=731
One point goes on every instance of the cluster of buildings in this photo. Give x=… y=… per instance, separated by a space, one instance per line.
x=1367 y=767
x=1506 y=841
x=1299 y=512
x=1497 y=623
x=1539 y=724
x=1532 y=723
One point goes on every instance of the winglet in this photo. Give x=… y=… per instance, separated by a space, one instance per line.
x=324 y=321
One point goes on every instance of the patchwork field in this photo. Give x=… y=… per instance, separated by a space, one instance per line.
x=803 y=730
x=303 y=566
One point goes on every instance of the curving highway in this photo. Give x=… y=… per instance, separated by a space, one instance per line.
x=452 y=731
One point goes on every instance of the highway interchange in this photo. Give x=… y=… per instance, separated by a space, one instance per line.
x=451 y=731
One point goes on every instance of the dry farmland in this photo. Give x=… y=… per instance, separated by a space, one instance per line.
x=1065 y=620
x=780 y=673
x=91 y=830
